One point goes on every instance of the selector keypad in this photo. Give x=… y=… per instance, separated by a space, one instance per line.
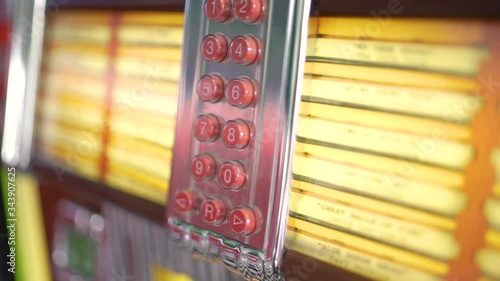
x=234 y=131
x=238 y=92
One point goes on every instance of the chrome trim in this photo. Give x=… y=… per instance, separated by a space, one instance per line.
x=22 y=81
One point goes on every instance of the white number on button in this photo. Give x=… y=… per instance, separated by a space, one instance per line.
x=203 y=126
x=239 y=50
x=227 y=176
x=206 y=89
x=213 y=6
x=244 y=6
x=210 y=50
x=199 y=168
x=232 y=134
x=235 y=93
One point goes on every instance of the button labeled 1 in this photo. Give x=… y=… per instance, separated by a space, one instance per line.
x=218 y=10
x=232 y=175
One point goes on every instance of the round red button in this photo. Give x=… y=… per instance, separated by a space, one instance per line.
x=185 y=201
x=213 y=210
x=248 y=11
x=232 y=175
x=203 y=166
x=240 y=92
x=236 y=134
x=218 y=10
x=210 y=88
x=214 y=47
x=243 y=221
x=244 y=50
x=206 y=128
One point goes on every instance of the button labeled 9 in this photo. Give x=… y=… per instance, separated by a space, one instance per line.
x=203 y=167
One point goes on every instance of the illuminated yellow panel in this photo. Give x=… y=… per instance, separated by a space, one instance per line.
x=341 y=249
x=389 y=76
x=379 y=185
x=416 y=30
x=433 y=150
x=452 y=106
x=391 y=166
x=385 y=121
x=376 y=206
x=162 y=274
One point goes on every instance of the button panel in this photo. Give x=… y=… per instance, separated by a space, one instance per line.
x=237 y=96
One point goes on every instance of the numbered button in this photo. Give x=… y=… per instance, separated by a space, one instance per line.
x=241 y=92
x=213 y=210
x=214 y=47
x=248 y=11
x=236 y=134
x=203 y=167
x=185 y=201
x=206 y=128
x=210 y=88
x=218 y=10
x=243 y=221
x=232 y=175
x=244 y=50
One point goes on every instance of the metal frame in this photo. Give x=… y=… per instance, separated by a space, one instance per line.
x=22 y=81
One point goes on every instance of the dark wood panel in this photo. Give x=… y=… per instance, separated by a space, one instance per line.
x=409 y=8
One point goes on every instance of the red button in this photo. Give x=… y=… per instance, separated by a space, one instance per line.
x=218 y=10
x=240 y=92
x=185 y=201
x=248 y=11
x=203 y=166
x=236 y=134
x=214 y=48
x=206 y=128
x=243 y=221
x=244 y=50
x=232 y=175
x=213 y=210
x=210 y=88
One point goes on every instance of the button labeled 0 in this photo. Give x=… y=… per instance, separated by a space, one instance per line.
x=232 y=175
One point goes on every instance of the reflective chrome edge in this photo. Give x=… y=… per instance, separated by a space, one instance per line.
x=297 y=65
x=22 y=81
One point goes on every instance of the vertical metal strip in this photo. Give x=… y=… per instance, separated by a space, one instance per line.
x=22 y=82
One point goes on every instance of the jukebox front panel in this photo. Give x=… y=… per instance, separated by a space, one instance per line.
x=228 y=196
